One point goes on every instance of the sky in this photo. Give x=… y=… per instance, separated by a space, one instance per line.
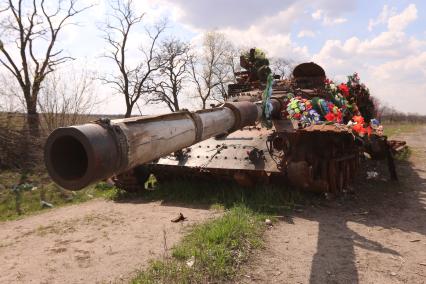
x=384 y=41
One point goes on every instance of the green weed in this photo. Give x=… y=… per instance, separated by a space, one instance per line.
x=211 y=252
x=15 y=204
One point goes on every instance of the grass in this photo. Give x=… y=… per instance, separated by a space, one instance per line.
x=405 y=154
x=265 y=199
x=395 y=129
x=42 y=189
x=220 y=246
x=400 y=128
x=216 y=249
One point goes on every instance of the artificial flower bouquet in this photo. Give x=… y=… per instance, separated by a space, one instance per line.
x=340 y=104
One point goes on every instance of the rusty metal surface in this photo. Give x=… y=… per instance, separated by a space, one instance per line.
x=79 y=155
x=230 y=152
x=246 y=113
x=283 y=125
x=308 y=69
x=318 y=157
x=321 y=158
x=300 y=162
x=309 y=75
x=335 y=128
x=397 y=145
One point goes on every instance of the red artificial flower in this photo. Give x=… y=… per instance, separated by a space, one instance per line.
x=358 y=119
x=368 y=129
x=358 y=128
x=344 y=89
x=329 y=116
x=339 y=116
x=297 y=115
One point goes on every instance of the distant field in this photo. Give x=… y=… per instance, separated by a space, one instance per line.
x=17 y=121
x=397 y=128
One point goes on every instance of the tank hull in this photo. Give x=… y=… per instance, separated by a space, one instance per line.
x=218 y=158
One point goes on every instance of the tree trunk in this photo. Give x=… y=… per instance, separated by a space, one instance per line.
x=33 y=119
x=31 y=141
x=175 y=100
x=128 y=112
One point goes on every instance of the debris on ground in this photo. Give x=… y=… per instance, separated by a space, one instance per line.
x=268 y=222
x=361 y=213
x=372 y=174
x=45 y=204
x=397 y=146
x=190 y=262
x=179 y=218
x=110 y=183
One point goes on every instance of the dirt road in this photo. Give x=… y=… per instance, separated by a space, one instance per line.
x=94 y=242
x=377 y=235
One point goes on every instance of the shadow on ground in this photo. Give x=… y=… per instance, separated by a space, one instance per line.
x=375 y=203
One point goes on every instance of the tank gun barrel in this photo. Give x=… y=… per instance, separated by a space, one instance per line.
x=77 y=156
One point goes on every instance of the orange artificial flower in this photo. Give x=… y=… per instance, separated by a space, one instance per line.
x=358 y=119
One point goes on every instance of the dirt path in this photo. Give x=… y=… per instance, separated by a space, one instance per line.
x=95 y=242
x=377 y=235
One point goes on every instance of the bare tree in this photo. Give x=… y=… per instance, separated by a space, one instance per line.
x=173 y=73
x=210 y=69
x=133 y=79
x=29 y=54
x=67 y=97
x=10 y=98
x=282 y=67
x=231 y=65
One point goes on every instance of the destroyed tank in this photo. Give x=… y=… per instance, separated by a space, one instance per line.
x=254 y=137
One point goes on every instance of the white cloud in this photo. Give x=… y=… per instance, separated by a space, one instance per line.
x=383 y=17
x=391 y=64
x=252 y=23
x=317 y=15
x=402 y=82
x=327 y=20
x=270 y=33
x=400 y=21
x=306 y=33
x=276 y=45
x=408 y=69
x=207 y=14
x=334 y=21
